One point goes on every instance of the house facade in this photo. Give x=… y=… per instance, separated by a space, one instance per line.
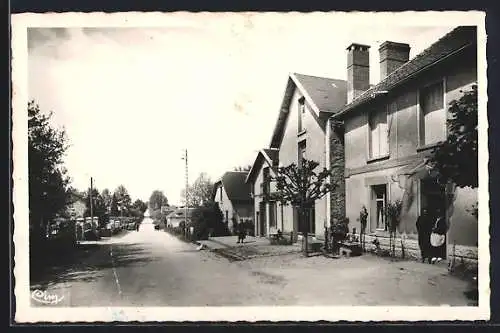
x=267 y=211
x=178 y=215
x=303 y=131
x=233 y=195
x=392 y=128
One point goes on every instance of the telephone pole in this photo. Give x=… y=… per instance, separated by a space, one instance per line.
x=185 y=158
x=91 y=203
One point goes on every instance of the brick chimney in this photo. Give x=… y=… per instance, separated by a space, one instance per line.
x=358 y=70
x=392 y=56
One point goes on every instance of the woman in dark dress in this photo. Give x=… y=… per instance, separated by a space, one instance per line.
x=424 y=228
x=440 y=228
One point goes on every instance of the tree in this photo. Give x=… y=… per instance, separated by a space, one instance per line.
x=300 y=186
x=106 y=197
x=123 y=200
x=113 y=209
x=140 y=205
x=199 y=192
x=157 y=199
x=98 y=206
x=393 y=217
x=456 y=160
x=207 y=219
x=48 y=181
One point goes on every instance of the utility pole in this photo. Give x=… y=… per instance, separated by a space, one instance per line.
x=185 y=158
x=91 y=204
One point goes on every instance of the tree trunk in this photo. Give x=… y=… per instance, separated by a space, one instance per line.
x=305 y=232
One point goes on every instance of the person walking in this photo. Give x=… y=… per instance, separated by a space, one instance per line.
x=438 y=237
x=241 y=232
x=424 y=229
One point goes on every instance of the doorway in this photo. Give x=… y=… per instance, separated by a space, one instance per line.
x=432 y=198
x=262 y=215
x=377 y=207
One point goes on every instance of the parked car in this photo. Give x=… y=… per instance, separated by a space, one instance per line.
x=157 y=227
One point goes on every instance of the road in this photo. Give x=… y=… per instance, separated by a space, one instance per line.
x=153 y=268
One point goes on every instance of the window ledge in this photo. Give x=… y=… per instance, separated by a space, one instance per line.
x=378 y=158
x=429 y=146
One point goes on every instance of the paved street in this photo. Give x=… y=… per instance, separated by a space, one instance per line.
x=153 y=268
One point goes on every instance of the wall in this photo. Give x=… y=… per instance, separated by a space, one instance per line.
x=336 y=152
x=404 y=146
x=315 y=150
x=225 y=205
x=243 y=210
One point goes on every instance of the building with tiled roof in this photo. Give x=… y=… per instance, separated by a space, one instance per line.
x=234 y=198
x=392 y=127
x=301 y=131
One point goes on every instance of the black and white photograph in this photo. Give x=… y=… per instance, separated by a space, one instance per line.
x=250 y=166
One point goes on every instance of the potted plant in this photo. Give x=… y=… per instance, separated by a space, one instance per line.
x=393 y=218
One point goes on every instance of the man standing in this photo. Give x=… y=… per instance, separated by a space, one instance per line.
x=424 y=228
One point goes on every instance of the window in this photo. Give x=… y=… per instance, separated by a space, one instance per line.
x=301 y=152
x=378 y=134
x=273 y=209
x=301 y=115
x=265 y=182
x=378 y=206
x=220 y=194
x=432 y=117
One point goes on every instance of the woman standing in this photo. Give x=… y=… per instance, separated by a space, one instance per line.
x=424 y=229
x=438 y=238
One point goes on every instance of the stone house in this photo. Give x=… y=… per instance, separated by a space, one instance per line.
x=234 y=198
x=302 y=130
x=392 y=127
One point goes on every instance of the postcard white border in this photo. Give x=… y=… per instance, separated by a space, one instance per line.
x=26 y=313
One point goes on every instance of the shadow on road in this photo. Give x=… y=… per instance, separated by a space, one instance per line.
x=86 y=262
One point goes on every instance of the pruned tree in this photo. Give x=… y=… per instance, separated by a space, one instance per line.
x=300 y=186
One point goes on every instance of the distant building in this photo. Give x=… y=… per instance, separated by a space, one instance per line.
x=178 y=215
x=234 y=197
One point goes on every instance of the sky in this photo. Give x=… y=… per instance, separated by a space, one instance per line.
x=131 y=99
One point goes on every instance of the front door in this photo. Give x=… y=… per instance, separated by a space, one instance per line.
x=377 y=207
x=262 y=215
x=432 y=198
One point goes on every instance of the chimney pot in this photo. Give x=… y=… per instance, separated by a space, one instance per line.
x=392 y=56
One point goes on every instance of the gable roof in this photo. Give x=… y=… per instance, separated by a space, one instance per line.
x=235 y=186
x=450 y=44
x=325 y=96
x=271 y=156
x=179 y=213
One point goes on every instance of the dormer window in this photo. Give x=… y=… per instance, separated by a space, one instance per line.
x=301 y=114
